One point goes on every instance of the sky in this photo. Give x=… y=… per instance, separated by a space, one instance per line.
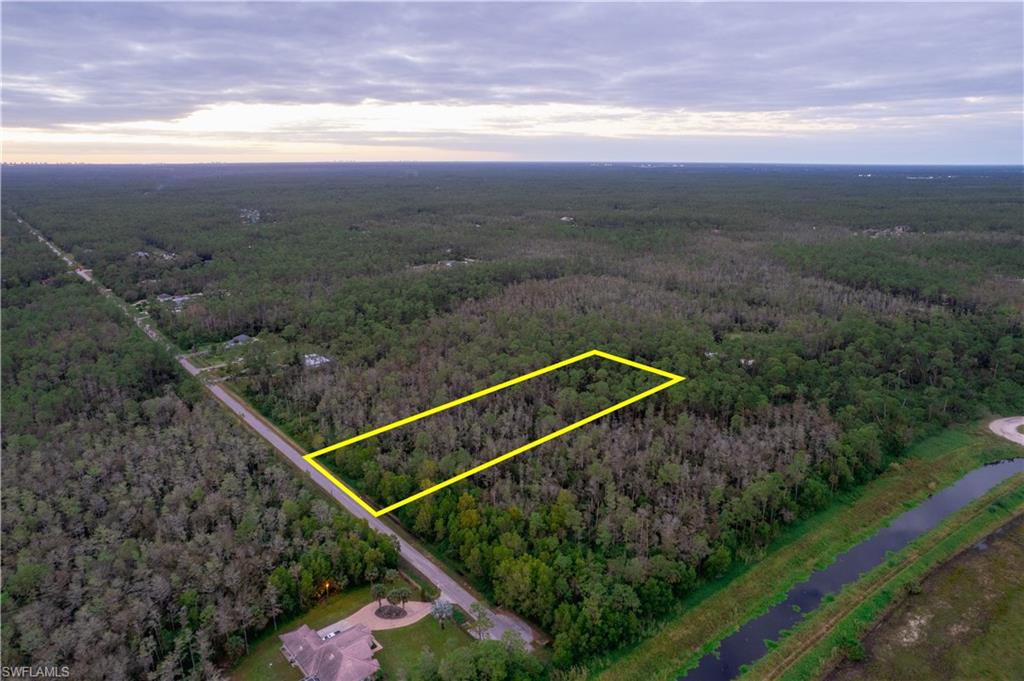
x=714 y=82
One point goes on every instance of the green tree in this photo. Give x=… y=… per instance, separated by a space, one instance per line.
x=481 y=623
x=378 y=591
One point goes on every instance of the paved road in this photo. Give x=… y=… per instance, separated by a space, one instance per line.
x=1007 y=428
x=450 y=589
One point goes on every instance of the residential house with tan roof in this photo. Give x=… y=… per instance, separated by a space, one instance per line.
x=345 y=654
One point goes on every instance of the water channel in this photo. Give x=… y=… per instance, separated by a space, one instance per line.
x=747 y=644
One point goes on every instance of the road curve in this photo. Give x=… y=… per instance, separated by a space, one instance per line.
x=1007 y=428
x=450 y=589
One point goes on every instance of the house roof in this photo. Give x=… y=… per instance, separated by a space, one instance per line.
x=348 y=656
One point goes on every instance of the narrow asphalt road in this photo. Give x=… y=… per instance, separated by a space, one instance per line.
x=450 y=589
x=1007 y=428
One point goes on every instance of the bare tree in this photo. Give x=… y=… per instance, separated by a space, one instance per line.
x=442 y=611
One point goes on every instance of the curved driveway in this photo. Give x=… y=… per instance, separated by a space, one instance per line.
x=1008 y=428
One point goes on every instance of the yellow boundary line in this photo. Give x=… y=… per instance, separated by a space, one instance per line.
x=673 y=379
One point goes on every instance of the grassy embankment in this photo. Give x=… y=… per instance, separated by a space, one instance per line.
x=401 y=648
x=834 y=630
x=715 y=610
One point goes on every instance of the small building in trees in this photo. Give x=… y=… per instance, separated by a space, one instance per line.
x=343 y=655
x=312 y=359
x=240 y=339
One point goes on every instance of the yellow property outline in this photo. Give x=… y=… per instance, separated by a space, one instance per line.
x=311 y=457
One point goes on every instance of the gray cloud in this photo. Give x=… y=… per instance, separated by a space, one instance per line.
x=93 y=63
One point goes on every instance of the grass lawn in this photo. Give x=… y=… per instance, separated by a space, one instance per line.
x=717 y=609
x=401 y=647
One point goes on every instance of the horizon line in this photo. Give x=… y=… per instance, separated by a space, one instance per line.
x=839 y=164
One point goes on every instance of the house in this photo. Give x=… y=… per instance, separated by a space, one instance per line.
x=177 y=302
x=249 y=215
x=240 y=339
x=314 y=360
x=342 y=655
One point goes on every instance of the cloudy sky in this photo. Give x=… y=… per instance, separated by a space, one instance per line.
x=817 y=83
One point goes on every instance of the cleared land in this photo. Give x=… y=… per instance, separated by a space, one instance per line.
x=966 y=622
x=717 y=609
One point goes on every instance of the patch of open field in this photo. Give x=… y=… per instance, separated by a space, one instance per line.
x=967 y=622
x=834 y=630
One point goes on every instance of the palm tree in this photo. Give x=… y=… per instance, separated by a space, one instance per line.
x=399 y=595
x=378 y=591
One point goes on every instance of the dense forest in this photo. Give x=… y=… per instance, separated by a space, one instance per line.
x=145 y=534
x=824 y=319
